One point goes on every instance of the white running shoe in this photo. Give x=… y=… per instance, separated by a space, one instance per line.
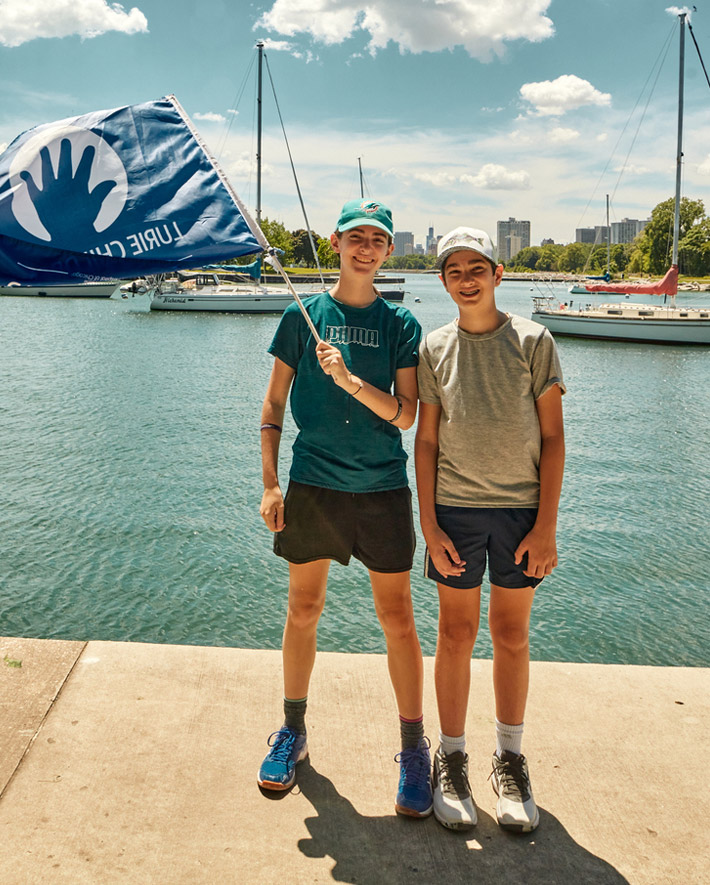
x=453 y=803
x=516 y=809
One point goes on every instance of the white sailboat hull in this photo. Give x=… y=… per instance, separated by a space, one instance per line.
x=75 y=290
x=223 y=300
x=629 y=323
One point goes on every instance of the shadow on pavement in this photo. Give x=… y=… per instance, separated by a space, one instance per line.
x=369 y=850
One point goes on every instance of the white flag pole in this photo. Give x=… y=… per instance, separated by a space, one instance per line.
x=276 y=264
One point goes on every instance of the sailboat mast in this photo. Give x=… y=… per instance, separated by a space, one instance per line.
x=679 y=155
x=260 y=47
x=362 y=190
x=608 y=237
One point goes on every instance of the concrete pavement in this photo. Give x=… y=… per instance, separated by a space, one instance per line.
x=133 y=763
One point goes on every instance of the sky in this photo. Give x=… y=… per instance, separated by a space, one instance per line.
x=461 y=111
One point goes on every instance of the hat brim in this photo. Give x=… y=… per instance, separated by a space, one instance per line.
x=363 y=222
x=447 y=252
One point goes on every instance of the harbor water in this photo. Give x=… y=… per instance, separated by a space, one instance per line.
x=130 y=484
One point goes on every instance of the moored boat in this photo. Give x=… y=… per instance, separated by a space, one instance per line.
x=70 y=290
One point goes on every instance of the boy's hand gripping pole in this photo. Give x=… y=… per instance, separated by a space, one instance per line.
x=271 y=259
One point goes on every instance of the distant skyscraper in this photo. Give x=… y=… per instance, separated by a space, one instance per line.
x=626 y=230
x=403 y=242
x=513 y=236
x=430 y=241
x=594 y=235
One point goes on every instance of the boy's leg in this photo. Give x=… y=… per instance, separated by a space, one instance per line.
x=509 y=620
x=459 y=615
x=393 y=605
x=306 y=598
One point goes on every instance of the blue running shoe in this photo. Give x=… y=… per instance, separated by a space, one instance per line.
x=414 y=792
x=278 y=770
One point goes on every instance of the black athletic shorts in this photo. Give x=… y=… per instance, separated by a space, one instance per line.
x=375 y=527
x=485 y=533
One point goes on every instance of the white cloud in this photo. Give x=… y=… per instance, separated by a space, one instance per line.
x=498 y=178
x=632 y=169
x=602 y=137
x=560 y=135
x=481 y=27
x=566 y=93
x=24 y=20
x=210 y=117
x=704 y=167
x=233 y=111
x=277 y=45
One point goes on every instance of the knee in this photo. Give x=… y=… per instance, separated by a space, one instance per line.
x=457 y=636
x=509 y=636
x=397 y=622
x=303 y=613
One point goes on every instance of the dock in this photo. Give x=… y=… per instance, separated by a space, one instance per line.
x=136 y=763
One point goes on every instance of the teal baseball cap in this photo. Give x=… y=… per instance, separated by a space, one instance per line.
x=357 y=212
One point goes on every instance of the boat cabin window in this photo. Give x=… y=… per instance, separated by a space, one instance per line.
x=616 y=312
x=645 y=313
x=704 y=314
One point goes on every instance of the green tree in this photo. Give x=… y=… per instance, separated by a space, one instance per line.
x=574 y=258
x=302 y=252
x=694 y=250
x=656 y=240
x=549 y=257
x=525 y=259
x=279 y=238
x=327 y=257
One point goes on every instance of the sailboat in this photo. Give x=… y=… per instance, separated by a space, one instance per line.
x=668 y=324
x=205 y=291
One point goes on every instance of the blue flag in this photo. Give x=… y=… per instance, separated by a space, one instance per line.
x=116 y=194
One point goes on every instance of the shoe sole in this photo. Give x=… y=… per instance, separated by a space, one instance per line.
x=410 y=812
x=277 y=785
x=520 y=828
x=455 y=825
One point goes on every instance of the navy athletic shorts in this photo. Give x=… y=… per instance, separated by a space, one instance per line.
x=375 y=527
x=485 y=533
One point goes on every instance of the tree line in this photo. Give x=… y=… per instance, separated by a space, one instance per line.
x=650 y=253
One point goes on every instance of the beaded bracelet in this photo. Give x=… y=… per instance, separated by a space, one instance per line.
x=355 y=393
x=270 y=427
x=399 y=409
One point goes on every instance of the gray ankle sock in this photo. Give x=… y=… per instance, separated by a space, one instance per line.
x=411 y=731
x=295 y=714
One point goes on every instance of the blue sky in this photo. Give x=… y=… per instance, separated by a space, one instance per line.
x=463 y=111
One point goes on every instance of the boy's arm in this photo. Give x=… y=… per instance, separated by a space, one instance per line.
x=383 y=403
x=426 y=453
x=272 y=412
x=540 y=543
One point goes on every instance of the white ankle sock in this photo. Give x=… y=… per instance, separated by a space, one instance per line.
x=452 y=744
x=509 y=737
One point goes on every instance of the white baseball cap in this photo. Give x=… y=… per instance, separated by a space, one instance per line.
x=466 y=238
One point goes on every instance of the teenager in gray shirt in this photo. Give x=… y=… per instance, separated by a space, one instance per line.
x=489 y=459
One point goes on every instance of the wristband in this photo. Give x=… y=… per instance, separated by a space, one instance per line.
x=355 y=393
x=399 y=409
x=270 y=427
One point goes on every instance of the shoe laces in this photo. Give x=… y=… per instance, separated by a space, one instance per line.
x=452 y=774
x=512 y=776
x=415 y=763
x=281 y=743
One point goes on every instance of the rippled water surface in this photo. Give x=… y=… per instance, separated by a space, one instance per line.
x=130 y=482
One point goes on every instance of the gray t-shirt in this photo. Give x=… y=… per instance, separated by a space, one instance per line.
x=489 y=433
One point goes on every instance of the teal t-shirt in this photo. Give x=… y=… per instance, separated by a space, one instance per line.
x=341 y=444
